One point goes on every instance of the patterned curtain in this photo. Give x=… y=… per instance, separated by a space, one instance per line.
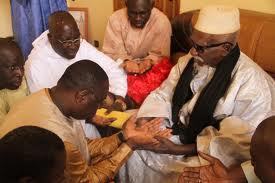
x=30 y=19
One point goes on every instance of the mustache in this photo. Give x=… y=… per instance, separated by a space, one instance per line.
x=197 y=58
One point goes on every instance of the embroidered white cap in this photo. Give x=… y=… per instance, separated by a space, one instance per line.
x=218 y=19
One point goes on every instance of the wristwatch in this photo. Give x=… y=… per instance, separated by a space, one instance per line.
x=121 y=136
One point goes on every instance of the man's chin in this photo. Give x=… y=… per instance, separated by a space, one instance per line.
x=14 y=86
x=70 y=56
x=138 y=25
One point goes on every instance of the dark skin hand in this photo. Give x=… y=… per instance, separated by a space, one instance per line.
x=137 y=67
x=116 y=105
x=101 y=121
x=113 y=103
x=215 y=172
x=144 y=66
x=139 y=136
x=131 y=67
x=166 y=146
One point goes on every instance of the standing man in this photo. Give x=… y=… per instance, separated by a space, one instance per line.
x=139 y=37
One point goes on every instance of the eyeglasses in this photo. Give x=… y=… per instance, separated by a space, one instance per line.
x=201 y=49
x=71 y=42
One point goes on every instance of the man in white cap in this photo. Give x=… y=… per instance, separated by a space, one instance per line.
x=213 y=99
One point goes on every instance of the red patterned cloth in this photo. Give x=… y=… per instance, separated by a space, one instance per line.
x=140 y=86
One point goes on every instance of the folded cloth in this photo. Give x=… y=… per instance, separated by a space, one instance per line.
x=140 y=86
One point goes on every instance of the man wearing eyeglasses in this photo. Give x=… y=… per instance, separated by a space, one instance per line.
x=139 y=36
x=59 y=47
x=213 y=99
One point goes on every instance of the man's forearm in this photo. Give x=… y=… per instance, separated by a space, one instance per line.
x=188 y=149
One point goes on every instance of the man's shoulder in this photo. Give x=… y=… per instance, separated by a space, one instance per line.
x=248 y=71
x=160 y=18
x=119 y=15
x=248 y=66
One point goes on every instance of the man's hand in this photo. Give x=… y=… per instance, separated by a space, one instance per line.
x=101 y=121
x=144 y=134
x=216 y=172
x=165 y=146
x=114 y=107
x=131 y=67
x=145 y=65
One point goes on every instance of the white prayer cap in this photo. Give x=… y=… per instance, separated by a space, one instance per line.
x=218 y=19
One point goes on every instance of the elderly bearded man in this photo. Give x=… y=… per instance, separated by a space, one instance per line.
x=214 y=99
x=139 y=36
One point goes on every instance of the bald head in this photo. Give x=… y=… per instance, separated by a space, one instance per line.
x=147 y=2
x=6 y=45
x=60 y=19
x=139 y=12
x=263 y=150
x=64 y=34
x=264 y=135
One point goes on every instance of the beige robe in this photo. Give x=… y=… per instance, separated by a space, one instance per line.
x=122 y=41
x=92 y=161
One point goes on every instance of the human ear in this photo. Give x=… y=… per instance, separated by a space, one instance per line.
x=81 y=97
x=227 y=47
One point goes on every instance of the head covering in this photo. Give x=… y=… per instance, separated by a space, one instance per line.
x=218 y=19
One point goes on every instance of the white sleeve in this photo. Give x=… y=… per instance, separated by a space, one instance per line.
x=230 y=144
x=116 y=74
x=33 y=77
x=249 y=173
x=38 y=73
x=158 y=103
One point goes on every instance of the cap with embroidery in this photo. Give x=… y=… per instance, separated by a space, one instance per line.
x=218 y=19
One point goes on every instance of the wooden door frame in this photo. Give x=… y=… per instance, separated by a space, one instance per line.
x=177 y=6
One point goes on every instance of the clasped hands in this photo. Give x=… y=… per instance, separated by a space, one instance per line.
x=144 y=135
x=137 y=67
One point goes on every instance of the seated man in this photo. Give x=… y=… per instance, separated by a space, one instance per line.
x=12 y=82
x=61 y=46
x=262 y=159
x=214 y=99
x=31 y=154
x=77 y=95
x=139 y=36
